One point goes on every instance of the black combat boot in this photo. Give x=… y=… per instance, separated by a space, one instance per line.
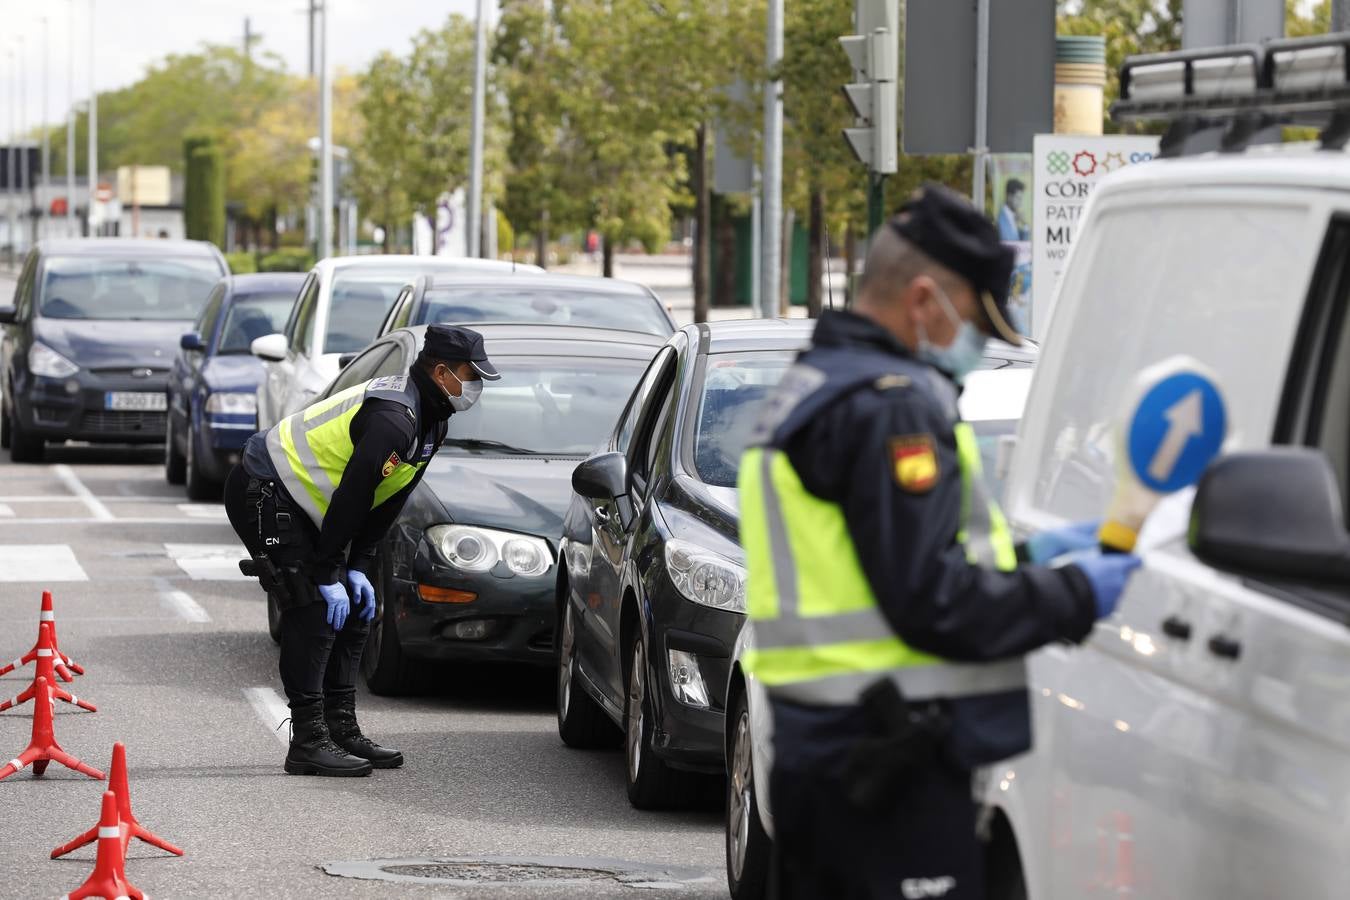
x=340 y=713
x=313 y=751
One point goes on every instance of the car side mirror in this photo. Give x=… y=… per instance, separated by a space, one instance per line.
x=602 y=477
x=345 y=359
x=270 y=347
x=1274 y=512
x=192 y=341
x=8 y=315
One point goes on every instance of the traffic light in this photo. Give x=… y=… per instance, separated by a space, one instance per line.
x=874 y=53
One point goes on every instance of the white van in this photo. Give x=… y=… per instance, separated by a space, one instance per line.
x=1198 y=744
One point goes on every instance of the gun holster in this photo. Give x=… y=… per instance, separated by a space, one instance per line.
x=284 y=580
x=904 y=738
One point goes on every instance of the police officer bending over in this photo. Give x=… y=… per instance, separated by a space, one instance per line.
x=311 y=499
x=891 y=609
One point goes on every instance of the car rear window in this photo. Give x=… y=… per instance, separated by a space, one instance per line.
x=253 y=315
x=621 y=312
x=93 y=287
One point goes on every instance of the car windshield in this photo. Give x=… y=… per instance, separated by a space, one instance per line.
x=733 y=388
x=362 y=299
x=251 y=316
x=92 y=287
x=631 y=312
x=561 y=406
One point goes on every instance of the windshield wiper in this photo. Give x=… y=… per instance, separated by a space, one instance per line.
x=482 y=444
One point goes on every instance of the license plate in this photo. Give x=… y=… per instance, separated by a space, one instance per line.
x=136 y=401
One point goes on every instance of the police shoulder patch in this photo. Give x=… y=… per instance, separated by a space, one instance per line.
x=914 y=462
x=390 y=465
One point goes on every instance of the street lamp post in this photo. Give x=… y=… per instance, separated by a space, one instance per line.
x=46 y=132
x=772 y=174
x=93 y=124
x=475 y=211
x=25 y=176
x=70 y=124
x=13 y=158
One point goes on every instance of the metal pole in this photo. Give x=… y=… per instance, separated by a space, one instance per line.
x=93 y=123
x=70 y=126
x=1340 y=15
x=13 y=167
x=43 y=200
x=475 y=210
x=25 y=175
x=773 y=169
x=756 y=244
x=981 y=149
x=325 y=139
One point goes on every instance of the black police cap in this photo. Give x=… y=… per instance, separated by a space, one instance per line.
x=948 y=228
x=450 y=344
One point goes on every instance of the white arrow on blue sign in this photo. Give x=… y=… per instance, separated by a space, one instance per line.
x=1177 y=428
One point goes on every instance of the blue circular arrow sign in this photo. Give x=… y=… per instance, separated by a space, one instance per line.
x=1177 y=428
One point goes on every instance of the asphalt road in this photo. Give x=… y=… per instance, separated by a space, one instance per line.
x=183 y=672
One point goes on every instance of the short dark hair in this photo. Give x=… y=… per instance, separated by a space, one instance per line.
x=1014 y=186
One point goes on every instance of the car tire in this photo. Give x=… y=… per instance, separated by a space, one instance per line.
x=273 y=619
x=582 y=724
x=747 y=844
x=387 y=669
x=652 y=784
x=175 y=464
x=24 y=447
x=199 y=487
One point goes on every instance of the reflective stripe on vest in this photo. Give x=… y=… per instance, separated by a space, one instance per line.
x=820 y=637
x=310 y=451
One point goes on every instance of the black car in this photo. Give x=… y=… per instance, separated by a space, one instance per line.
x=653 y=590
x=89 y=341
x=213 y=387
x=530 y=297
x=468 y=572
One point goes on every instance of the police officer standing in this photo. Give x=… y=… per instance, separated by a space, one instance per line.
x=891 y=608
x=311 y=499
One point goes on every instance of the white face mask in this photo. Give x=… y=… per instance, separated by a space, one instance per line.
x=469 y=392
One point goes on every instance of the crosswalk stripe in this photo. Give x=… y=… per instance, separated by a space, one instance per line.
x=208 y=562
x=40 y=563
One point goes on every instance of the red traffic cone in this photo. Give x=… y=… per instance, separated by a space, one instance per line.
x=47 y=641
x=110 y=874
x=43 y=748
x=117 y=784
x=46 y=668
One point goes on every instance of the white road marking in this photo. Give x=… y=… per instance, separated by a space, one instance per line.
x=183 y=604
x=272 y=709
x=67 y=476
x=40 y=563
x=209 y=562
x=203 y=511
x=6 y=511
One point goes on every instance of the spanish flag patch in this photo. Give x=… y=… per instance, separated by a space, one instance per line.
x=915 y=461
x=390 y=465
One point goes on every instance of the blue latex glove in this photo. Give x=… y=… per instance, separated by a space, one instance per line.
x=362 y=592
x=1044 y=546
x=335 y=595
x=1108 y=574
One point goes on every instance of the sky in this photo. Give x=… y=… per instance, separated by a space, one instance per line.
x=133 y=34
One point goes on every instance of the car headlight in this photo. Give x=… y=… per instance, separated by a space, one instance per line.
x=233 y=403
x=44 y=361
x=472 y=549
x=705 y=577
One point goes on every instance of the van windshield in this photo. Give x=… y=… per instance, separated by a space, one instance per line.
x=92 y=287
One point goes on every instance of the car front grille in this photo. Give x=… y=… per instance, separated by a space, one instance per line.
x=123 y=422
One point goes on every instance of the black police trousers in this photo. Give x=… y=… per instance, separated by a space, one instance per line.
x=315 y=660
x=923 y=845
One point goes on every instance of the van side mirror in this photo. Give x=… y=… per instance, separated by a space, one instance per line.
x=192 y=341
x=602 y=477
x=270 y=347
x=345 y=359
x=1274 y=512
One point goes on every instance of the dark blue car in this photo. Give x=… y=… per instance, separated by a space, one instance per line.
x=213 y=400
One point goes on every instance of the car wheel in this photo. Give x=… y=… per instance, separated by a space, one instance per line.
x=582 y=724
x=748 y=846
x=175 y=466
x=651 y=783
x=273 y=619
x=199 y=487
x=388 y=671
x=24 y=447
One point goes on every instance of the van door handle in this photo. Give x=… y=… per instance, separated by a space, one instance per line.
x=1177 y=627
x=1224 y=646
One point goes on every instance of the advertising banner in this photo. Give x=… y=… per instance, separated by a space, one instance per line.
x=1066 y=170
x=1010 y=176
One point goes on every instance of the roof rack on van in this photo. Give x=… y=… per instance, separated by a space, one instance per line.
x=1242 y=89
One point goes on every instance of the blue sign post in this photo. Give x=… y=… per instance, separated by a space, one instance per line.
x=1177 y=428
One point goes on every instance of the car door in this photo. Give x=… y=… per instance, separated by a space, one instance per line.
x=598 y=650
x=283 y=376
x=185 y=378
